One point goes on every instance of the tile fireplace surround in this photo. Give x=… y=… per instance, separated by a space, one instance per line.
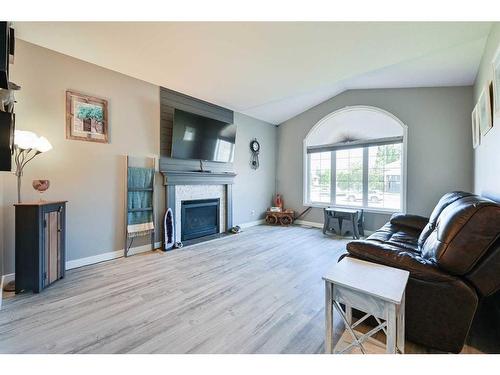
x=183 y=185
x=196 y=192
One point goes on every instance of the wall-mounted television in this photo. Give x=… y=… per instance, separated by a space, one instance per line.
x=202 y=138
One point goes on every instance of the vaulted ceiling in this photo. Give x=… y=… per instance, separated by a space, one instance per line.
x=276 y=70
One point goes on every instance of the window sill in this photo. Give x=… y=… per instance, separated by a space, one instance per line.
x=387 y=211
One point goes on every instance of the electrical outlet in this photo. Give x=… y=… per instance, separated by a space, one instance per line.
x=252 y=212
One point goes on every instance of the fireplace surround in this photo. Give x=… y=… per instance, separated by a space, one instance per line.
x=182 y=186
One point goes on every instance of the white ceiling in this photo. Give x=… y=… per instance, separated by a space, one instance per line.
x=272 y=71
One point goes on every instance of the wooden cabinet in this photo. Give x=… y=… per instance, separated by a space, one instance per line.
x=40 y=244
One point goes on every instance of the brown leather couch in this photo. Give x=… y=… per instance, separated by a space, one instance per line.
x=453 y=259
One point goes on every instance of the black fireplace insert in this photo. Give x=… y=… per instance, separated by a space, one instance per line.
x=199 y=218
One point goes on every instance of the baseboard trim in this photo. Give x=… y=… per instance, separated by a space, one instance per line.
x=8 y=277
x=1 y=291
x=309 y=223
x=76 y=263
x=80 y=262
x=320 y=226
x=252 y=223
x=4 y=280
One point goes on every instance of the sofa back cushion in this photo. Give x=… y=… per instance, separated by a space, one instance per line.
x=460 y=230
x=444 y=202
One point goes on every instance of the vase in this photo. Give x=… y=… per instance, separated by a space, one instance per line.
x=41 y=186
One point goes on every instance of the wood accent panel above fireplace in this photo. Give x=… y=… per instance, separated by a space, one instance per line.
x=171 y=100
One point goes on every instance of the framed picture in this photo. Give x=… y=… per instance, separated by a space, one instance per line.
x=484 y=111
x=476 y=133
x=496 y=86
x=86 y=117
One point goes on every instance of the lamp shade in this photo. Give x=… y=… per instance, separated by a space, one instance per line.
x=26 y=140
x=43 y=145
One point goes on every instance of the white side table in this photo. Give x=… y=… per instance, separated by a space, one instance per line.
x=377 y=290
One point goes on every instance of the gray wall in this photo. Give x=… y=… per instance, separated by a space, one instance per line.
x=439 y=139
x=91 y=175
x=254 y=189
x=487 y=155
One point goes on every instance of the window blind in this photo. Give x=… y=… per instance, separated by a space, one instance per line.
x=354 y=144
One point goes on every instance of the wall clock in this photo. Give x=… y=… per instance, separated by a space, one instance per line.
x=255 y=148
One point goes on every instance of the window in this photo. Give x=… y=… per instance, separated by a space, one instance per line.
x=356 y=168
x=320 y=178
x=384 y=176
x=349 y=177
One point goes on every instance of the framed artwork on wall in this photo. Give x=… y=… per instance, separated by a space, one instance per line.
x=484 y=111
x=86 y=117
x=476 y=133
x=496 y=86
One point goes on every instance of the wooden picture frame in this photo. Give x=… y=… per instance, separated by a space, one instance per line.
x=496 y=86
x=86 y=118
x=484 y=110
x=476 y=132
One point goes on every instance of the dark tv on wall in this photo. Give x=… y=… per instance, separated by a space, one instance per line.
x=202 y=138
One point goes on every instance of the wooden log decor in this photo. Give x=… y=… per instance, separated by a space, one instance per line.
x=280 y=218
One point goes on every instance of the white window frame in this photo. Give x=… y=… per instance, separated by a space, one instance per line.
x=305 y=184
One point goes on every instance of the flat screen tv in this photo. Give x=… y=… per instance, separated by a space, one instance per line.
x=202 y=138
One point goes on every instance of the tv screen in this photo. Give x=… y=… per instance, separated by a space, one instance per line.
x=202 y=138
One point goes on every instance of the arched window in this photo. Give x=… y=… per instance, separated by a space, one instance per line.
x=356 y=157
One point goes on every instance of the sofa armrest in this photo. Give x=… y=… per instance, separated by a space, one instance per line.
x=411 y=221
x=394 y=256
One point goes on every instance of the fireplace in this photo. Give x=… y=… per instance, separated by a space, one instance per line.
x=199 y=218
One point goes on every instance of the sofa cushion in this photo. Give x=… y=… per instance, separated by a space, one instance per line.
x=411 y=221
x=394 y=256
x=444 y=202
x=396 y=235
x=463 y=232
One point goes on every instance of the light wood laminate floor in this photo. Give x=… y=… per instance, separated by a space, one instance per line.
x=256 y=292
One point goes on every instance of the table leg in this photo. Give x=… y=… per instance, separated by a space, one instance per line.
x=354 y=220
x=325 y=223
x=328 y=318
x=348 y=314
x=391 y=329
x=361 y=228
x=401 y=326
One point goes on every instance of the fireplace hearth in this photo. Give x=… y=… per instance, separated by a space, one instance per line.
x=199 y=218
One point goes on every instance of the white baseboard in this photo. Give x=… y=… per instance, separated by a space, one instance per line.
x=4 y=280
x=7 y=278
x=252 y=223
x=1 y=291
x=320 y=226
x=75 y=263
x=309 y=223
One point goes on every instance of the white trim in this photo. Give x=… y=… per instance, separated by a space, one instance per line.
x=320 y=226
x=309 y=223
x=252 y=223
x=76 y=263
x=305 y=185
x=4 y=281
x=7 y=278
x=365 y=209
x=1 y=291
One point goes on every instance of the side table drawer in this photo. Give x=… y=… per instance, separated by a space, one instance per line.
x=361 y=301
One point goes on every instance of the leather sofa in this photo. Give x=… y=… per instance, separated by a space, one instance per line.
x=454 y=261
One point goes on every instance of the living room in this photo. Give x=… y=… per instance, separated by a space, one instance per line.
x=249 y=187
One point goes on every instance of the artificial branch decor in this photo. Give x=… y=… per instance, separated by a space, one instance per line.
x=27 y=145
